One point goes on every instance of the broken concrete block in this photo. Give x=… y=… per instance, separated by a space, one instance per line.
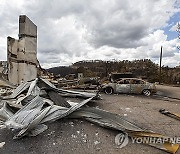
x=26 y=27
x=22 y=53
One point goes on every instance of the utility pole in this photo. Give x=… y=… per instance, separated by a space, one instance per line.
x=178 y=30
x=160 y=64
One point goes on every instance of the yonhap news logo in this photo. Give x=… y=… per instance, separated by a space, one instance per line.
x=122 y=140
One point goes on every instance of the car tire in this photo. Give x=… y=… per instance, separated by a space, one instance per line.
x=146 y=92
x=108 y=90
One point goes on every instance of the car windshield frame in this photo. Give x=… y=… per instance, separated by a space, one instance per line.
x=131 y=81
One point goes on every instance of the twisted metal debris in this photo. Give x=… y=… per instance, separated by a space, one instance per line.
x=33 y=104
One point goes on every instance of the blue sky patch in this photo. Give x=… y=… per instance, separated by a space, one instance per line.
x=173 y=21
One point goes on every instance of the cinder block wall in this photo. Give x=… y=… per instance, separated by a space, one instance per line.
x=22 y=53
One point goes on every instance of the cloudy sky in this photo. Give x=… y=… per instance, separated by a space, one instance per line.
x=73 y=30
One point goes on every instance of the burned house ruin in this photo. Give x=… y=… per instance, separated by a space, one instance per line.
x=22 y=53
x=21 y=65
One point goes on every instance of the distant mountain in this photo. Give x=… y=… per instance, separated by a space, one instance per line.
x=62 y=70
x=143 y=68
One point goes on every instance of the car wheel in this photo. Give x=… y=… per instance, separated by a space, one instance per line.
x=108 y=90
x=147 y=92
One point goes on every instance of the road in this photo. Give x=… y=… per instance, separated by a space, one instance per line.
x=76 y=136
x=173 y=92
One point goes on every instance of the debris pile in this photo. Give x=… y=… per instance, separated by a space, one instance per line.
x=6 y=87
x=35 y=103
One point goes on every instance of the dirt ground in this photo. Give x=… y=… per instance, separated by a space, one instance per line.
x=76 y=136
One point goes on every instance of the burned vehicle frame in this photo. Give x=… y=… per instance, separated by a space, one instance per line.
x=129 y=86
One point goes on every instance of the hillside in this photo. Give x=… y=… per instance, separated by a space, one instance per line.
x=143 y=68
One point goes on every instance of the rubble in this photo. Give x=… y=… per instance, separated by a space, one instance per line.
x=3 y=67
x=28 y=108
x=22 y=64
x=35 y=110
x=170 y=114
x=5 y=87
x=2 y=144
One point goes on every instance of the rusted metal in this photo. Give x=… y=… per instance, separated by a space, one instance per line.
x=170 y=114
x=130 y=85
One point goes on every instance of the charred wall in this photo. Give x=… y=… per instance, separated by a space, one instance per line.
x=22 y=53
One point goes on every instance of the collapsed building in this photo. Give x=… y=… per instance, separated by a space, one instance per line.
x=22 y=53
x=22 y=63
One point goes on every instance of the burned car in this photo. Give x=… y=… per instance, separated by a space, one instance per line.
x=130 y=86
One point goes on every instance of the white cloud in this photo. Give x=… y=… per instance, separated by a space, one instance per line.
x=174 y=27
x=69 y=31
x=3 y=49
